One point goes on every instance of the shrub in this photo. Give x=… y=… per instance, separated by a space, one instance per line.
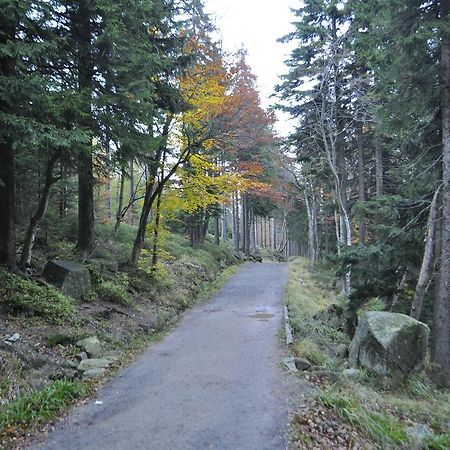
x=26 y=296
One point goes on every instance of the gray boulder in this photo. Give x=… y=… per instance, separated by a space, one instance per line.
x=389 y=344
x=112 y=355
x=302 y=364
x=88 y=364
x=92 y=346
x=93 y=374
x=72 y=278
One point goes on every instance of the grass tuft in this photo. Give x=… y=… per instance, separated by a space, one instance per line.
x=39 y=406
x=381 y=427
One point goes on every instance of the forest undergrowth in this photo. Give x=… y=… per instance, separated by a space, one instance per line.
x=126 y=310
x=354 y=412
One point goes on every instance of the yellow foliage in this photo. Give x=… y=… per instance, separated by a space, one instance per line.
x=204 y=88
x=202 y=184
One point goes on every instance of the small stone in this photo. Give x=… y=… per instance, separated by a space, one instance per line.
x=93 y=374
x=88 y=364
x=92 y=346
x=112 y=355
x=341 y=351
x=290 y=364
x=352 y=373
x=14 y=338
x=69 y=364
x=419 y=432
x=302 y=363
x=81 y=356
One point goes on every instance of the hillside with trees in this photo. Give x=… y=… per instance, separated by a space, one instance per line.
x=367 y=86
x=137 y=162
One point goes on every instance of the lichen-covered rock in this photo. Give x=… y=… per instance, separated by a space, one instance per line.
x=389 y=343
x=92 y=346
x=72 y=278
x=88 y=364
x=93 y=374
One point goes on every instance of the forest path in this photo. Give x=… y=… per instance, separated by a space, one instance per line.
x=215 y=382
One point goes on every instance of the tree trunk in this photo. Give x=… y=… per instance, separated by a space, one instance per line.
x=378 y=167
x=361 y=185
x=236 y=223
x=83 y=32
x=224 y=223
x=153 y=189
x=427 y=261
x=119 y=213
x=30 y=236
x=7 y=167
x=441 y=350
x=132 y=193
x=217 y=230
x=156 y=231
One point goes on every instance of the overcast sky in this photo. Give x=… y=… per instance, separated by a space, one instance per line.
x=256 y=25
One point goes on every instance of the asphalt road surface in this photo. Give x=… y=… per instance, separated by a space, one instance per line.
x=214 y=383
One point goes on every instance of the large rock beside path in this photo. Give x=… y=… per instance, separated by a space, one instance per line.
x=389 y=344
x=72 y=278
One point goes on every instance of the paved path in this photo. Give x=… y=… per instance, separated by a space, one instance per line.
x=214 y=383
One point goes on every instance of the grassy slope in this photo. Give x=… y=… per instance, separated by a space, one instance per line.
x=376 y=417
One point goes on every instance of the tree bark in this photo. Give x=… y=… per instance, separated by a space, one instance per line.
x=119 y=213
x=427 y=261
x=361 y=184
x=132 y=193
x=217 y=230
x=83 y=32
x=7 y=167
x=156 y=231
x=378 y=167
x=30 y=236
x=441 y=350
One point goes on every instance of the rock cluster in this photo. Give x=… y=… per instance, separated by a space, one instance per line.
x=97 y=361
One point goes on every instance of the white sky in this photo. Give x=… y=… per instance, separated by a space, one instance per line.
x=256 y=25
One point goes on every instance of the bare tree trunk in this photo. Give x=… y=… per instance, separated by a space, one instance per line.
x=7 y=163
x=153 y=189
x=156 y=230
x=83 y=32
x=247 y=226
x=224 y=222
x=120 y=202
x=217 y=230
x=378 y=167
x=30 y=236
x=62 y=192
x=237 y=243
x=274 y=233
x=427 y=261
x=132 y=193
x=361 y=185
x=311 y=239
x=441 y=350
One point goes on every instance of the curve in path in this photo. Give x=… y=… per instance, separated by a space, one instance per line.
x=213 y=383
